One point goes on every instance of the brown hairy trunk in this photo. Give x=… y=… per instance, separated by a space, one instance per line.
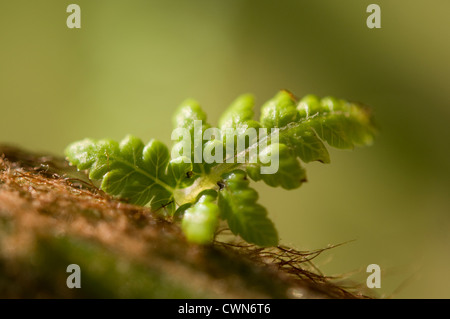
x=52 y=216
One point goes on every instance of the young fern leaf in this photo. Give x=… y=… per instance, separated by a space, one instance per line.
x=301 y=131
x=237 y=203
x=202 y=192
x=201 y=219
x=140 y=173
x=184 y=118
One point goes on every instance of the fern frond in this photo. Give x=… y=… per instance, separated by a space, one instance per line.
x=201 y=192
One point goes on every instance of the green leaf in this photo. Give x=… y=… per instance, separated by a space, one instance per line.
x=237 y=203
x=303 y=129
x=200 y=220
x=340 y=123
x=179 y=213
x=305 y=143
x=239 y=112
x=179 y=172
x=279 y=111
x=129 y=170
x=188 y=112
x=290 y=173
x=185 y=116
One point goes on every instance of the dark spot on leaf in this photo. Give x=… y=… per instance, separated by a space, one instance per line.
x=221 y=184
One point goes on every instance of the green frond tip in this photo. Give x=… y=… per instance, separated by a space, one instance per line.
x=200 y=220
x=245 y=217
x=289 y=134
x=238 y=113
x=290 y=173
x=188 y=112
x=279 y=111
x=340 y=123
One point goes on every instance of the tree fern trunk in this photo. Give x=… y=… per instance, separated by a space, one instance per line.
x=52 y=216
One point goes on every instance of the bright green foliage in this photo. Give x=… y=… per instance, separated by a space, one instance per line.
x=146 y=175
x=140 y=173
x=201 y=219
x=290 y=173
x=245 y=217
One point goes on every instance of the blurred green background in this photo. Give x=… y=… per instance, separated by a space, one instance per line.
x=132 y=63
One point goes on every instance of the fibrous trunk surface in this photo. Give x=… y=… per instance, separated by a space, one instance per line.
x=52 y=216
